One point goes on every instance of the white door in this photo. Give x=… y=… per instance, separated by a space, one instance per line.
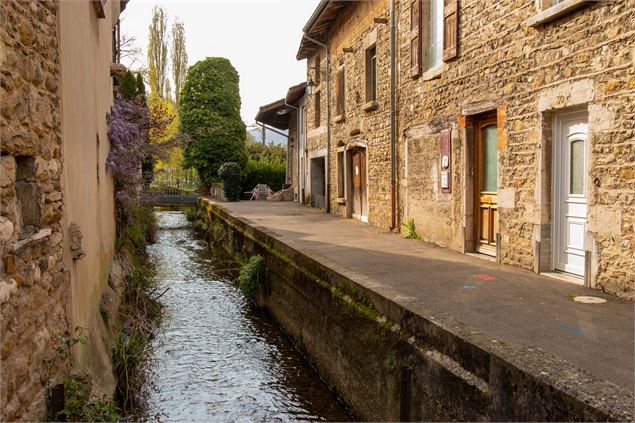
x=570 y=145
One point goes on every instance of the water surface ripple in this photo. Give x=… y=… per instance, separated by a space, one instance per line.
x=216 y=356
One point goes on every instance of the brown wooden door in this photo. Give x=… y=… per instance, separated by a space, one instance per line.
x=358 y=170
x=486 y=186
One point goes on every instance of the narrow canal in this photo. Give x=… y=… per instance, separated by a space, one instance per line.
x=216 y=356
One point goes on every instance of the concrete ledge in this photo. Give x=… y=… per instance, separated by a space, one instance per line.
x=485 y=378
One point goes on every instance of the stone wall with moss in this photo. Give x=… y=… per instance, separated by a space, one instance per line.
x=388 y=363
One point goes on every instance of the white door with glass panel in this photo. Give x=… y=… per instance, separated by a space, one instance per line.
x=570 y=191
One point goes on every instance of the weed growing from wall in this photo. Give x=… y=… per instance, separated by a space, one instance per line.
x=409 y=231
x=79 y=408
x=251 y=275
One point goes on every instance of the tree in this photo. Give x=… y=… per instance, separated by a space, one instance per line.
x=158 y=52
x=141 y=89
x=179 y=58
x=128 y=50
x=128 y=86
x=210 y=116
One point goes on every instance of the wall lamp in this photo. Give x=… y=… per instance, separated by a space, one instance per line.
x=310 y=87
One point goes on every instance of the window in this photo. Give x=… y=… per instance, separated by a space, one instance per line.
x=340 y=173
x=371 y=74
x=434 y=26
x=550 y=10
x=318 y=117
x=340 y=95
x=433 y=38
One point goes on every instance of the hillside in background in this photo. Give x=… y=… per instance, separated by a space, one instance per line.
x=270 y=136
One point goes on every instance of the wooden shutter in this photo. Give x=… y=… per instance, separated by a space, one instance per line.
x=339 y=102
x=100 y=8
x=415 y=38
x=450 y=29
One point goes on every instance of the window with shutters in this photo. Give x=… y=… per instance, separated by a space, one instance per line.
x=340 y=93
x=434 y=36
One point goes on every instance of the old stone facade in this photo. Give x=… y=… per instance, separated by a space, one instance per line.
x=516 y=75
x=44 y=293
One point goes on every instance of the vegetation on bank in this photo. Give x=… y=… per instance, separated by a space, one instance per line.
x=251 y=275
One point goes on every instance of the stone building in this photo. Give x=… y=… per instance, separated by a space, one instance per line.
x=283 y=115
x=512 y=135
x=57 y=228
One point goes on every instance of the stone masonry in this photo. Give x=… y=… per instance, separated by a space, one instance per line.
x=34 y=285
x=523 y=72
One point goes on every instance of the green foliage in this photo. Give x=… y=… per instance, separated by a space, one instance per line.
x=264 y=172
x=141 y=90
x=230 y=174
x=128 y=86
x=410 y=230
x=78 y=408
x=136 y=227
x=209 y=112
x=190 y=213
x=250 y=275
x=128 y=356
x=260 y=152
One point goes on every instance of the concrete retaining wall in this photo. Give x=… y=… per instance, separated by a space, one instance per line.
x=388 y=363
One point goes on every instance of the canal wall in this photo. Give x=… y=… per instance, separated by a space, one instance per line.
x=388 y=363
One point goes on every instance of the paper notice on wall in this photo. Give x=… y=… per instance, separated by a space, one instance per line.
x=444 y=179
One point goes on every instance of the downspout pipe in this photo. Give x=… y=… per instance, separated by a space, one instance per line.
x=286 y=177
x=393 y=194
x=327 y=166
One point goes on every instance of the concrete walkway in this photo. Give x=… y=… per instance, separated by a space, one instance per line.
x=510 y=304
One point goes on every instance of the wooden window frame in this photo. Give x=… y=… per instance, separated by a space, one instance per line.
x=371 y=73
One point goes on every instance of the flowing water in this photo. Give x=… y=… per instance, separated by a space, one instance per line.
x=216 y=356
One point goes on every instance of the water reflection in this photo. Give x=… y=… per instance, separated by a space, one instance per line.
x=216 y=356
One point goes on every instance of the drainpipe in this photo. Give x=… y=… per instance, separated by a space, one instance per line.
x=393 y=200
x=286 y=177
x=327 y=190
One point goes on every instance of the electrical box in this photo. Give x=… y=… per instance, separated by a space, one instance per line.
x=445 y=165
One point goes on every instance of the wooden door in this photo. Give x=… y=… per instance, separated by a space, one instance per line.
x=358 y=169
x=569 y=192
x=486 y=186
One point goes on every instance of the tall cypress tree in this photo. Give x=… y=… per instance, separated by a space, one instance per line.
x=141 y=89
x=128 y=86
x=209 y=114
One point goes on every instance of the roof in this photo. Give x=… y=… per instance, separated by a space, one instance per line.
x=274 y=114
x=295 y=93
x=319 y=25
x=278 y=114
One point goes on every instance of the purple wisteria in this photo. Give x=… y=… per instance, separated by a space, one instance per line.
x=129 y=124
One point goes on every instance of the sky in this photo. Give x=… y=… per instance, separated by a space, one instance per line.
x=259 y=37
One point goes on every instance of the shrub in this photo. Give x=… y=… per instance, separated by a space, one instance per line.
x=250 y=275
x=410 y=230
x=78 y=407
x=209 y=113
x=271 y=173
x=230 y=174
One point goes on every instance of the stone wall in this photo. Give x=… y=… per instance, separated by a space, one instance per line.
x=35 y=283
x=390 y=364
x=520 y=74
x=57 y=245
x=524 y=74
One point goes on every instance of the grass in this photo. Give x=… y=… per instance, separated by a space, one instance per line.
x=251 y=274
x=140 y=309
x=409 y=230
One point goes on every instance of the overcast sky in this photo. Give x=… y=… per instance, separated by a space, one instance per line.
x=259 y=37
